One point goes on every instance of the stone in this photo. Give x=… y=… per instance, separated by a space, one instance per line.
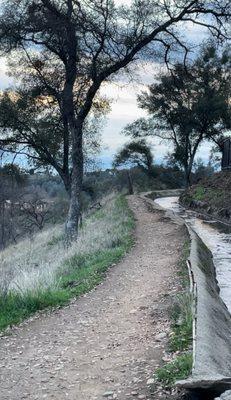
x=225 y=396
x=150 y=381
x=161 y=336
x=108 y=394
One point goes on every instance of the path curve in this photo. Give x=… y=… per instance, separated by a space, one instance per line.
x=108 y=341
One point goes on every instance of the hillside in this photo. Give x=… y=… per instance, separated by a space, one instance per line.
x=211 y=196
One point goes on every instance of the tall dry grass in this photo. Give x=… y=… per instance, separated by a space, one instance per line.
x=35 y=264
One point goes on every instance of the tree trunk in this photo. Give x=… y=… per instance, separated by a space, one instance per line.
x=130 y=183
x=187 y=172
x=67 y=182
x=74 y=213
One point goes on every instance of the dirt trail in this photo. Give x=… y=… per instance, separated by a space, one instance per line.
x=109 y=340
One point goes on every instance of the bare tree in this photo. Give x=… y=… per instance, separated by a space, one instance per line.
x=93 y=40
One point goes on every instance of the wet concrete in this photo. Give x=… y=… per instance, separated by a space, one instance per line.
x=210 y=261
x=215 y=235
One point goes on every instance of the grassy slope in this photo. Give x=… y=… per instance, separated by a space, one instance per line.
x=211 y=196
x=50 y=276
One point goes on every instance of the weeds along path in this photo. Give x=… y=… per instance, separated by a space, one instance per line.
x=107 y=343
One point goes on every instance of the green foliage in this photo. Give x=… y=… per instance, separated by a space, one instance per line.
x=189 y=106
x=135 y=153
x=199 y=193
x=179 y=368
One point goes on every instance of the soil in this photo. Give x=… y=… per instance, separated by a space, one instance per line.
x=108 y=343
x=211 y=196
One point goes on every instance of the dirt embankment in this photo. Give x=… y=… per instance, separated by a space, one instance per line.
x=211 y=196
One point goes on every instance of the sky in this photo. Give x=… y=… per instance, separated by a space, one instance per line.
x=124 y=108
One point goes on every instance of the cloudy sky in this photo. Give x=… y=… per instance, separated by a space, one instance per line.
x=124 y=108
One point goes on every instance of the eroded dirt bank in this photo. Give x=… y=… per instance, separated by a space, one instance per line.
x=108 y=342
x=210 y=196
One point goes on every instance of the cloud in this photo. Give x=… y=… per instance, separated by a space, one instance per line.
x=5 y=81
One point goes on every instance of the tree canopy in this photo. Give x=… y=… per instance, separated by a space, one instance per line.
x=188 y=106
x=73 y=46
x=31 y=125
x=136 y=153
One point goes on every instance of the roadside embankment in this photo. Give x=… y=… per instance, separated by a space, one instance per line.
x=210 y=196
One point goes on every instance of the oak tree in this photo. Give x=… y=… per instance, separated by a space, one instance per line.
x=188 y=106
x=91 y=41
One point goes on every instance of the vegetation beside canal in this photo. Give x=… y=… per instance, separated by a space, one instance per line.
x=180 y=342
x=210 y=196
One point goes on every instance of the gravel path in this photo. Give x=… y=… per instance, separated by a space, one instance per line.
x=107 y=343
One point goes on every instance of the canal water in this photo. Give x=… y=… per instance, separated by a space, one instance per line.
x=215 y=235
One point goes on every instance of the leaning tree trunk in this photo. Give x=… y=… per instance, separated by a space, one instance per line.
x=187 y=173
x=74 y=213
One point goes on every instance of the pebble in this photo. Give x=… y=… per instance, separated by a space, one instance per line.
x=108 y=394
x=160 y=336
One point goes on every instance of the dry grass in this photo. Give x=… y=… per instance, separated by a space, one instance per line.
x=41 y=267
x=33 y=263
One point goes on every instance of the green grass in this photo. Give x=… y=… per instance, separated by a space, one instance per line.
x=16 y=307
x=182 y=322
x=79 y=273
x=182 y=266
x=179 y=368
x=86 y=273
x=181 y=329
x=181 y=312
x=199 y=193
